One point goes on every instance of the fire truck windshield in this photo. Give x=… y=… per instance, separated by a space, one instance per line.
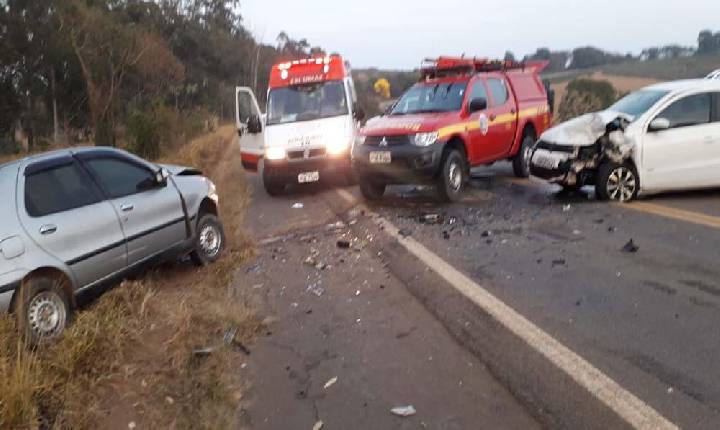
x=306 y=102
x=431 y=98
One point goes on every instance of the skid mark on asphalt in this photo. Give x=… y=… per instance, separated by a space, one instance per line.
x=630 y=408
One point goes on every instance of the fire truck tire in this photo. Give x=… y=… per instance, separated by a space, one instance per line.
x=371 y=190
x=453 y=175
x=521 y=161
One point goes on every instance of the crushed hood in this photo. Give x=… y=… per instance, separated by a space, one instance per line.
x=584 y=130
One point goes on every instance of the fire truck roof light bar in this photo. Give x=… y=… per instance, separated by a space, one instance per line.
x=448 y=66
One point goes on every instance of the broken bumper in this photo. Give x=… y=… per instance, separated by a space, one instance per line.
x=408 y=163
x=563 y=167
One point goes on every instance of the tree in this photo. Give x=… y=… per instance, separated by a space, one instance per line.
x=382 y=87
x=509 y=56
x=707 y=43
x=107 y=51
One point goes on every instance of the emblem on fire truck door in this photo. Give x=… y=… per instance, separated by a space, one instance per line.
x=484 y=124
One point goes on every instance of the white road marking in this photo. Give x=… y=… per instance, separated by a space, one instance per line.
x=630 y=408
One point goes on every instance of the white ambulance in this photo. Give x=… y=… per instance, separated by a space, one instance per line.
x=311 y=122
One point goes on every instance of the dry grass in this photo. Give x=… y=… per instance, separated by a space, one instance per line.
x=129 y=356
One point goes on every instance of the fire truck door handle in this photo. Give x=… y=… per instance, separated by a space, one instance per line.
x=513 y=111
x=493 y=117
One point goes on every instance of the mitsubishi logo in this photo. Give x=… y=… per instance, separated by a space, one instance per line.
x=384 y=142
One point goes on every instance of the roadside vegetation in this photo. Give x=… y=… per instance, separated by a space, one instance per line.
x=583 y=96
x=162 y=351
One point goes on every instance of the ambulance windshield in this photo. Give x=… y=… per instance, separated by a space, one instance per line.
x=307 y=102
x=431 y=98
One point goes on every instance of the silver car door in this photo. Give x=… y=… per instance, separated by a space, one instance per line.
x=251 y=139
x=151 y=212
x=64 y=212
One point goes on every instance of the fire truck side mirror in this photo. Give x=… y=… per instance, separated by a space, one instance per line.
x=477 y=104
x=254 y=125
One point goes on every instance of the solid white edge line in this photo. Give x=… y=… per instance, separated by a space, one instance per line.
x=630 y=408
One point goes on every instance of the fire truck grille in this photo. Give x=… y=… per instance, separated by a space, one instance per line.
x=306 y=153
x=389 y=140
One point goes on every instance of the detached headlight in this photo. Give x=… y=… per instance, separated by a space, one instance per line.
x=359 y=140
x=275 y=153
x=337 y=147
x=426 y=139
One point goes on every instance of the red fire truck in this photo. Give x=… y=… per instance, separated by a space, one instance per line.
x=462 y=113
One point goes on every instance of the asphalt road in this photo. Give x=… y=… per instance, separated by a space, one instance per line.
x=647 y=319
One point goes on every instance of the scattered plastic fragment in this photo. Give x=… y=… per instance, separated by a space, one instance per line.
x=567 y=208
x=405 y=232
x=630 y=247
x=558 y=262
x=132 y=425
x=431 y=219
x=343 y=244
x=404 y=411
x=331 y=382
x=316 y=289
x=318 y=425
x=298 y=206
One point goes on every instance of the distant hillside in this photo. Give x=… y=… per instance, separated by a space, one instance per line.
x=667 y=69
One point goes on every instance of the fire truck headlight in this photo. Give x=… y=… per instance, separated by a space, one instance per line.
x=426 y=139
x=337 y=147
x=275 y=153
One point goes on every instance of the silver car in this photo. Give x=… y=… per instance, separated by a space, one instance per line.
x=73 y=219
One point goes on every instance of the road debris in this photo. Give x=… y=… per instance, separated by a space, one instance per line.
x=405 y=232
x=343 y=244
x=630 y=247
x=486 y=233
x=404 y=411
x=567 y=208
x=298 y=205
x=132 y=425
x=318 y=425
x=316 y=289
x=559 y=262
x=446 y=235
x=331 y=382
x=336 y=225
x=431 y=219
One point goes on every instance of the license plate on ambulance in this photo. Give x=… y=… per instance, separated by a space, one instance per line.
x=380 y=157
x=305 y=177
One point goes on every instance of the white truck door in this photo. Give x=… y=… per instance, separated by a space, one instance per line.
x=250 y=126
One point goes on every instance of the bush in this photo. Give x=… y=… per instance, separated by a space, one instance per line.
x=142 y=128
x=584 y=96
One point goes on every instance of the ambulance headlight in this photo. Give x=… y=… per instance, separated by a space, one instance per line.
x=337 y=147
x=426 y=139
x=275 y=153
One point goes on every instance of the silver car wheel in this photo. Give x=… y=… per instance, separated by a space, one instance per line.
x=455 y=176
x=47 y=314
x=210 y=240
x=621 y=184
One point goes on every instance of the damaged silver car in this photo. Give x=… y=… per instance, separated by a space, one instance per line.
x=661 y=138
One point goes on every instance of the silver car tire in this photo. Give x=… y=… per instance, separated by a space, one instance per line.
x=209 y=240
x=43 y=309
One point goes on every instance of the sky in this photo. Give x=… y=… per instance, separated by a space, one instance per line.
x=398 y=34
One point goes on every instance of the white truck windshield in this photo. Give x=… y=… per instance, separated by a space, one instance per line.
x=307 y=102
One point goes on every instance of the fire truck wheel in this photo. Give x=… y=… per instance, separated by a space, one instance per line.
x=521 y=162
x=452 y=176
x=371 y=190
